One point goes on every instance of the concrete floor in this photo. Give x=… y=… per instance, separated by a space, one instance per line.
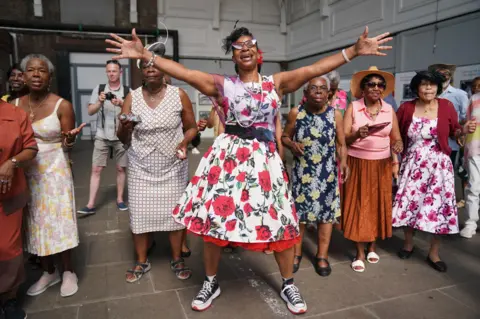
x=250 y=281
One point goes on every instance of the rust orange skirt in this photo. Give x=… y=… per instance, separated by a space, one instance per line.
x=367 y=200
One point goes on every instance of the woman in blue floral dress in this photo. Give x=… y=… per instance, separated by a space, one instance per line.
x=314 y=134
x=239 y=194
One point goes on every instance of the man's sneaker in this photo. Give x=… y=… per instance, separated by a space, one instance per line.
x=204 y=298
x=86 y=211
x=122 y=206
x=47 y=280
x=468 y=232
x=12 y=310
x=294 y=300
x=195 y=151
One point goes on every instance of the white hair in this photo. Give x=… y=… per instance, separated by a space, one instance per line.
x=324 y=77
x=25 y=60
x=333 y=76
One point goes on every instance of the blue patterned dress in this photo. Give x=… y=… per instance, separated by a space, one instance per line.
x=315 y=178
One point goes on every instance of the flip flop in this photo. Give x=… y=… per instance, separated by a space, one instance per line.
x=357 y=263
x=373 y=255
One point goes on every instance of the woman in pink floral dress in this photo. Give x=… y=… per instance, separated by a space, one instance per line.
x=239 y=193
x=426 y=191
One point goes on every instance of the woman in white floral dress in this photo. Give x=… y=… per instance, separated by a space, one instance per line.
x=239 y=193
x=425 y=198
x=51 y=226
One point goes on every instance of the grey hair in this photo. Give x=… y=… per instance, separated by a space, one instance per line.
x=29 y=57
x=333 y=76
x=324 y=77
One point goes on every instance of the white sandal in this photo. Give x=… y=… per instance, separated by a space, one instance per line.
x=357 y=263
x=373 y=255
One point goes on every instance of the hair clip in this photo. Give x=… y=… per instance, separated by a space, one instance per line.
x=235 y=26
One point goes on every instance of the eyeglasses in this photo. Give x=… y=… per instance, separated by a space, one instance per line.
x=249 y=44
x=315 y=88
x=380 y=85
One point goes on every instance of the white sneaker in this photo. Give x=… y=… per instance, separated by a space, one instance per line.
x=195 y=151
x=468 y=232
x=46 y=281
x=69 y=284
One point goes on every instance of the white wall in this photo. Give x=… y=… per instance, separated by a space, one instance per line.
x=310 y=33
x=195 y=22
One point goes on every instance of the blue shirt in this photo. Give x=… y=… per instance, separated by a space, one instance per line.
x=391 y=100
x=459 y=99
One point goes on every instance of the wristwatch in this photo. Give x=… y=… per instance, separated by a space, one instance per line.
x=15 y=162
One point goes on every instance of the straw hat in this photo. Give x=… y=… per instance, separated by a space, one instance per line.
x=357 y=78
x=443 y=66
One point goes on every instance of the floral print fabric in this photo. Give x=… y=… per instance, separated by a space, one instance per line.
x=425 y=198
x=239 y=192
x=315 y=178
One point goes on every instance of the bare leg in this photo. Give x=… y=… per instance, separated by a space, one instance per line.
x=434 y=248
x=94 y=185
x=121 y=176
x=140 y=242
x=324 y=234
x=408 y=243
x=360 y=251
x=285 y=262
x=211 y=258
x=298 y=247
x=185 y=248
x=372 y=247
x=176 y=243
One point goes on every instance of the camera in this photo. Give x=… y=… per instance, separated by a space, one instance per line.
x=110 y=96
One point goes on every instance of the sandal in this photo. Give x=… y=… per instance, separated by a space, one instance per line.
x=322 y=271
x=296 y=263
x=373 y=257
x=186 y=254
x=138 y=273
x=181 y=271
x=358 y=265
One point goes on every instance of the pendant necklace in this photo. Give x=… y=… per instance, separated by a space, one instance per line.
x=32 y=114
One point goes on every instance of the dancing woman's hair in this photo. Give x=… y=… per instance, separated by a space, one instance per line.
x=233 y=37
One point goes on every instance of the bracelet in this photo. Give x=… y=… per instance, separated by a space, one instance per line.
x=345 y=56
x=150 y=62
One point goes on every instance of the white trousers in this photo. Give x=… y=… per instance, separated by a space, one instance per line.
x=472 y=191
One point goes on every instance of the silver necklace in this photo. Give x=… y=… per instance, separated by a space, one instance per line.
x=250 y=93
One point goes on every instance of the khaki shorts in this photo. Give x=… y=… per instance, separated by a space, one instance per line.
x=101 y=152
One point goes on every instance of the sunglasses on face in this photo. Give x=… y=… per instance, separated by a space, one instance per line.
x=249 y=44
x=314 y=88
x=380 y=85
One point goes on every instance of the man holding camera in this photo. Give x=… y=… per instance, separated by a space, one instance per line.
x=106 y=102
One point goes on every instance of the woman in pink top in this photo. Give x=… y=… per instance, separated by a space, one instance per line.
x=371 y=133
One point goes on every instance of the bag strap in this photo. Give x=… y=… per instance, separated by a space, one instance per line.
x=101 y=88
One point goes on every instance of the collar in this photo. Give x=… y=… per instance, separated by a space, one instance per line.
x=364 y=107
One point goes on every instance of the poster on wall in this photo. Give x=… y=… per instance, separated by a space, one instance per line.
x=464 y=75
x=402 y=87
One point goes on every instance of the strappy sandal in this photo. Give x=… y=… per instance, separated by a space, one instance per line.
x=296 y=263
x=181 y=271
x=138 y=273
x=322 y=271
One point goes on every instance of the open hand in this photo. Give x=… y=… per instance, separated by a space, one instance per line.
x=372 y=46
x=126 y=49
x=72 y=133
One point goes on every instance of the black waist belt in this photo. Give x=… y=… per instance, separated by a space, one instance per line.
x=250 y=133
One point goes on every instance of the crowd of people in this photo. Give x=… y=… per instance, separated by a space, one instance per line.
x=349 y=149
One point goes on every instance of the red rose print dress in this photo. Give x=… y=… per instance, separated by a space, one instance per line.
x=239 y=194
x=425 y=198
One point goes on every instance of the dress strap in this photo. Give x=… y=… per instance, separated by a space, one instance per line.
x=57 y=105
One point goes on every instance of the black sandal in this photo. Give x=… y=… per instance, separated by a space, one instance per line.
x=186 y=254
x=322 y=271
x=181 y=271
x=296 y=266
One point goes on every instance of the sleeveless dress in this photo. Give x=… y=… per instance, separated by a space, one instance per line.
x=51 y=224
x=315 y=178
x=156 y=177
x=239 y=194
x=425 y=198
